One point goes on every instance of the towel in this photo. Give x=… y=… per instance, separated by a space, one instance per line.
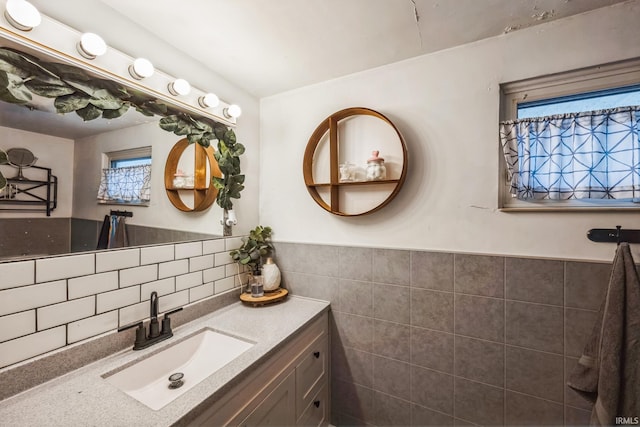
x=608 y=372
x=103 y=239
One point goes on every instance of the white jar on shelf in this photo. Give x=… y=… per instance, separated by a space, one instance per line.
x=376 y=170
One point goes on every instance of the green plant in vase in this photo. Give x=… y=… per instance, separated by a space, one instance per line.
x=254 y=246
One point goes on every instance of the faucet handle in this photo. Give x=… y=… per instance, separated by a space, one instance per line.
x=140 y=333
x=166 y=321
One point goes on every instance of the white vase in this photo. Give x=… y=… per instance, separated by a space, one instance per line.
x=270 y=275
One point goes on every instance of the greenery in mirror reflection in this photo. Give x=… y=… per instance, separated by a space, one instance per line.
x=23 y=76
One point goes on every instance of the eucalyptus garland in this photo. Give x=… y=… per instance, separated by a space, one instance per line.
x=74 y=90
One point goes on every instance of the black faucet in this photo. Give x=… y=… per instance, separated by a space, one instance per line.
x=155 y=334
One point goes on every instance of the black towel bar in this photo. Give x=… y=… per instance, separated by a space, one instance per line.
x=613 y=235
x=122 y=213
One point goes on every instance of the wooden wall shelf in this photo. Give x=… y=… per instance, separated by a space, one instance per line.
x=331 y=125
x=204 y=193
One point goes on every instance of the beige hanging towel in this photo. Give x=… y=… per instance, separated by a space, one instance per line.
x=608 y=373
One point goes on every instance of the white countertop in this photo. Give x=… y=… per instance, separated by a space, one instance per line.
x=83 y=398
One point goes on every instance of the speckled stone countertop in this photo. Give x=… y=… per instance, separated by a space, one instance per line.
x=83 y=398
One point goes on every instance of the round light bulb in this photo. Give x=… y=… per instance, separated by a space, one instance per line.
x=233 y=111
x=91 y=46
x=209 y=100
x=141 y=68
x=22 y=15
x=179 y=87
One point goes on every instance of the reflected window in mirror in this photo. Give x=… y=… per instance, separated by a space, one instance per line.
x=126 y=177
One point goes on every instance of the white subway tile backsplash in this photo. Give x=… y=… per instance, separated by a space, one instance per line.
x=17 y=274
x=28 y=297
x=169 y=302
x=17 y=325
x=200 y=292
x=134 y=313
x=23 y=348
x=65 y=312
x=188 y=250
x=49 y=269
x=188 y=280
x=224 y=285
x=212 y=246
x=93 y=284
x=138 y=275
x=162 y=287
x=92 y=326
x=117 y=299
x=173 y=268
x=223 y=258
x=114 y=260
x=155 y=254
x=200 y=262
x=232 y=269
x=213 y=274
x=232 y=243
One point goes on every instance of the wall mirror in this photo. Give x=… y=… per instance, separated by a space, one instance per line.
x=75 y=150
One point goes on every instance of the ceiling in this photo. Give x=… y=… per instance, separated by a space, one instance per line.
x=271 y=46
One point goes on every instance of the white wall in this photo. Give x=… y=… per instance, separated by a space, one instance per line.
x=446 y=105
x=52 y=152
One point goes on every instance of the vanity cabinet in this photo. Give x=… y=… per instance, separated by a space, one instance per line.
x=290 y=388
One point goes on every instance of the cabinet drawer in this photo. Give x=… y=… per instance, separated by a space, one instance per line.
x=311 y=373
x=316 y=413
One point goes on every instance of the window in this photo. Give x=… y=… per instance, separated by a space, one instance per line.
x=126 y=177
x=571 y=141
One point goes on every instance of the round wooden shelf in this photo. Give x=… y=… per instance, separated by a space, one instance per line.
x=331 y=124
x=204 y=194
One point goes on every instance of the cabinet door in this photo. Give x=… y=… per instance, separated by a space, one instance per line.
x=278 y=408
x=316 y=414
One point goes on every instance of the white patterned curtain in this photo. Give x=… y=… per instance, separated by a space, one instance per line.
x=589 y=155
x=129 y=184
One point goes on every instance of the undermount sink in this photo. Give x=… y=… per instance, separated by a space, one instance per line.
x=195 y=357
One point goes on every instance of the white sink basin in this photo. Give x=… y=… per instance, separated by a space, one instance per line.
x=197 y=357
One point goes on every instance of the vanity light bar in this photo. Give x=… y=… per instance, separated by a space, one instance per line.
x=54 y=39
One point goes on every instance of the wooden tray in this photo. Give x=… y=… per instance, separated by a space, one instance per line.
x=268 y=298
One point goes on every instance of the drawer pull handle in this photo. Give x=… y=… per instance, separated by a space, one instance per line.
x=316 y=354
x=316 y=403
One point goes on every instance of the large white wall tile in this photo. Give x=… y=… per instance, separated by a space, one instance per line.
x=200 y=292
x=64 y=267
x=92 y=284
x=20 y=349
x=14 y=274
x=28 y=297
x=212 y=246
x=169 y=302
x=162 y=287
x=117 y=299
x=189 y=280
x=200 y=262
x=155 y=254
x=17 y=325
x=92 y=326
x=224 y=285
x=138 y=275
x=187 y=250
x=173 y=268
x=58 y=314
x=114 y=260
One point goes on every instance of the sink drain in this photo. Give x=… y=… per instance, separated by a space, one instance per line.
x=176 y=380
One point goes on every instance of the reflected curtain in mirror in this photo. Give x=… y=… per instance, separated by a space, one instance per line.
x=130 y=184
